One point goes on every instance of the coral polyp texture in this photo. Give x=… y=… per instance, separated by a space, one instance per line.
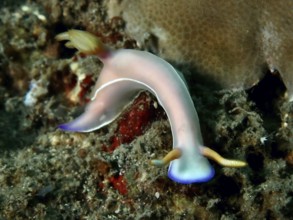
x=231 y=43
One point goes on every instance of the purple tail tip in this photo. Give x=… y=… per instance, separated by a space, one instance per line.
x=66 y=127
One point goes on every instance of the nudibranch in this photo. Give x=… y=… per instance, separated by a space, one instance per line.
x=126 y=72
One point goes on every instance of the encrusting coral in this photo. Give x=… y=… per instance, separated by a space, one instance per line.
x=126 y=72
x=230 y=43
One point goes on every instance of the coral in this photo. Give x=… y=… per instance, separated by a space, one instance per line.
x=37 y=90
x=134 y=122
x=231 y=44
x=119 y=183
x=78 y=89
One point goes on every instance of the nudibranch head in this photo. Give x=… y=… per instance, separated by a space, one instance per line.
x=126 y=72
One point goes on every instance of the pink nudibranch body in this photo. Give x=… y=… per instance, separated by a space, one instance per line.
x=125 y=72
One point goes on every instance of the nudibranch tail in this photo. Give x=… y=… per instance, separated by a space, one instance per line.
x=116 y=93
x=84 y=42
x=213 y=155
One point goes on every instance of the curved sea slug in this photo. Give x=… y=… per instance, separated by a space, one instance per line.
x=125 y=72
